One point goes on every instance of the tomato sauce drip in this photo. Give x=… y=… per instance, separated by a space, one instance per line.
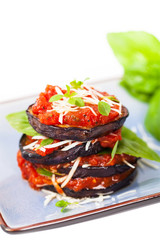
x=84 y=117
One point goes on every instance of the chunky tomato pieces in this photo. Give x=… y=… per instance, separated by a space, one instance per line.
x=84 y=117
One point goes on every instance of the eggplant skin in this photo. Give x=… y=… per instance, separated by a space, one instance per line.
x=75 y=133
x=94 y=171
x=58 y=157
x=95 y=192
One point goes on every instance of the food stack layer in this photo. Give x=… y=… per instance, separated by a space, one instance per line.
x=73 y=150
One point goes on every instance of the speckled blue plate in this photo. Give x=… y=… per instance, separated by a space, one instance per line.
x=22 y=208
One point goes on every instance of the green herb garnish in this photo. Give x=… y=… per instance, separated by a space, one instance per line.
x=68 y=94
x=63 y=204
x=44 y=172
x=60 y=96
x=139 y=54
x=47 y=173
x=132 y=145
x=152 y=121
x=76 y=101
x=76 y=84
x=112 y=98
x=45 y=142
x=19 y=121
x=114 y=149
x=104 y=108
x=56 y=97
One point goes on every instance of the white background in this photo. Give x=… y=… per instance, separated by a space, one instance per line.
x=48 y=42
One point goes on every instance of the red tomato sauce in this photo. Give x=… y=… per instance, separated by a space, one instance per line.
x=84 y=117
x=29 y=173
x=110 y=139
x=91 y=182
x=105 y=141
x=104 y=160
x=39 y=151
x=36 y=180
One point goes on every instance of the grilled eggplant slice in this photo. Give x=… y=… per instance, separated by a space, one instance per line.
x=58 y=156
x=95 y=192
x=94 y=171
x=64 y=132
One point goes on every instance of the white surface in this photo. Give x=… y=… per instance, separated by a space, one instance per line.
x=56 y=41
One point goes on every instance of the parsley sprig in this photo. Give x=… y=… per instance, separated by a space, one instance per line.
x=64 y=204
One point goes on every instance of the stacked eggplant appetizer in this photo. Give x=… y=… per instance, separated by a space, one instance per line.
x=73 y=149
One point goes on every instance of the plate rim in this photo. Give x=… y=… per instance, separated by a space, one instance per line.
x=111 y=208
x=145 y=199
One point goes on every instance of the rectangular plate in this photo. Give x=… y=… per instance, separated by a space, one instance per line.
x=22 y=208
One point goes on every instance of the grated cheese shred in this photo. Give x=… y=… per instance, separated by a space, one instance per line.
x=87 y=145
x=71 y=173
x=128 y=164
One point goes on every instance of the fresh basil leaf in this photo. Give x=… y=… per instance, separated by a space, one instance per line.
x=44 y=172
x=67 y=94
x=19 y=121
x=68 y=89
x=104 y=108
x=62 y=203
x=112 y=98
x=152 y=120
x=131 y=144
x=136 y=50
x=139 y=54
x=139 y=95
x=76 y=84
x=73 y=94
x=114 y=149
x=45 y=142
x=56 y=97
x=76 y=101
x=144 y=83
